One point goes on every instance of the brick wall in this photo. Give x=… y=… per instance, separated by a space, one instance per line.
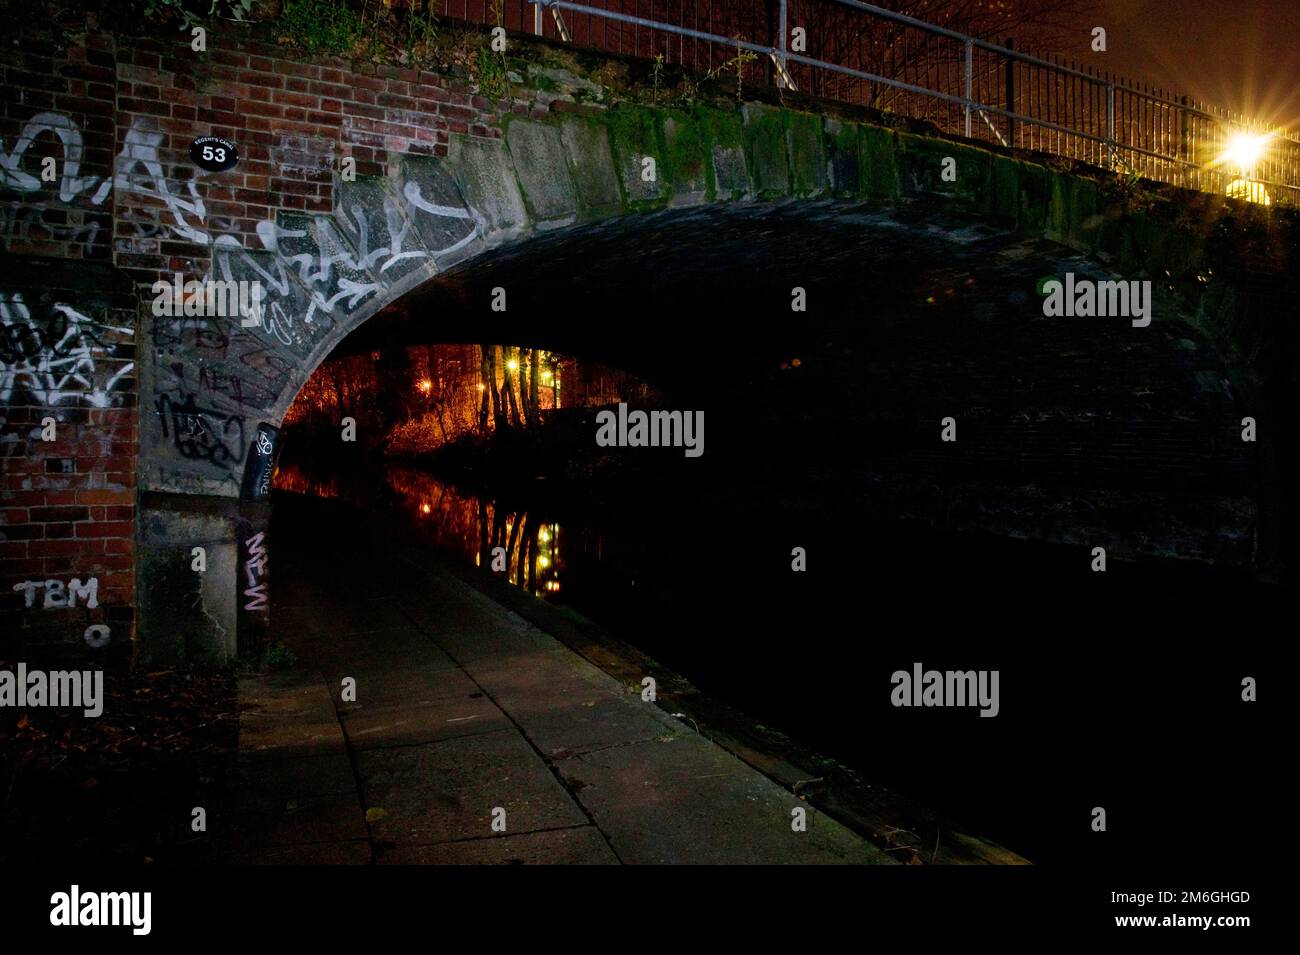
x=294 y=123
x=117 y=113
x=68 y=435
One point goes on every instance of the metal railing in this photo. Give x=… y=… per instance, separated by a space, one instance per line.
x=866 y=55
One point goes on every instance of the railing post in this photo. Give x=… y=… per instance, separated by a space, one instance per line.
x=537 y=17
x=1184 y=139
x=970 y=52
x=1011 y=94
x=1110 y=125
x=780 y=80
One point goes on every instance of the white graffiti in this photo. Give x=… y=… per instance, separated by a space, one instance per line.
x=333 y=274
x=336 y=274
x=71 y=185
x=254 y=568
x=140 y=153
x=97 y=635
x=55 y=362
x=60 y=596
x=315 y=270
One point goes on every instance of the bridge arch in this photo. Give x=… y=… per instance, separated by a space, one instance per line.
x=550 y=182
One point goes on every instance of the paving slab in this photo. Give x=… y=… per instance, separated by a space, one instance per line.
x=381 y=650
x=470 y=626
x=463 y=707
x=410 y=723
x=565 y=705
x=286 y=738
x=355 y=852
x=397 y=685
x=287 y=718
x=285 y=779
x=688 y=800
x=440 y=792
x=298 y=695
x=583 y=845
x=278 y=822
x=335 y=618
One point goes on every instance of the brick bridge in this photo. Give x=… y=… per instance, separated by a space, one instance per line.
x=165 y=427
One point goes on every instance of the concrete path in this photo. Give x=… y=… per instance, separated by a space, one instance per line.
x=466 y=714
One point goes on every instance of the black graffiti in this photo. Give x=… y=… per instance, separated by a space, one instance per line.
x=207 y=334
x=261 y=464
x=26 y=341
x=202 y=433
x=17 y=221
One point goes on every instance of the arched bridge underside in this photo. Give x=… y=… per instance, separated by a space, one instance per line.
x=922 y=307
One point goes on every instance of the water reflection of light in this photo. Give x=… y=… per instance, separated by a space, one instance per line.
x=463 y=523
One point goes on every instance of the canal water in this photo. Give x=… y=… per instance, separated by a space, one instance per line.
x=1115 y=689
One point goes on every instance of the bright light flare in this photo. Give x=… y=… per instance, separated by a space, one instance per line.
x=426 y=386
x=1245 y=149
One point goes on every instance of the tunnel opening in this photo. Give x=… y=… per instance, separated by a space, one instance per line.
x=829 y=348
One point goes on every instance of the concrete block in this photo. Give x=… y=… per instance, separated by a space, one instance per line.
x=543 y=174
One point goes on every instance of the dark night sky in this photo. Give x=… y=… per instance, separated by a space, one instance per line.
x=1239 y=54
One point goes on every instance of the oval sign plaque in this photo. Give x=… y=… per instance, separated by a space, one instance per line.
x=213 y=153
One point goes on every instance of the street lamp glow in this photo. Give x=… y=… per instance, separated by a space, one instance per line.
x=512 y=365
x=1245 y=149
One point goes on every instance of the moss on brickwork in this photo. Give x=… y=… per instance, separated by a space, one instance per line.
x=923 y=162
x=765 y=150
x=634 y=136
x=591 y=161
x=878 y=162
x=1034 y=196
x=1004 y=190
x=686 y=157
x=1073 y=218
x=724 y=136
x=806 y=155
x=843 y=144
x=722 y=127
